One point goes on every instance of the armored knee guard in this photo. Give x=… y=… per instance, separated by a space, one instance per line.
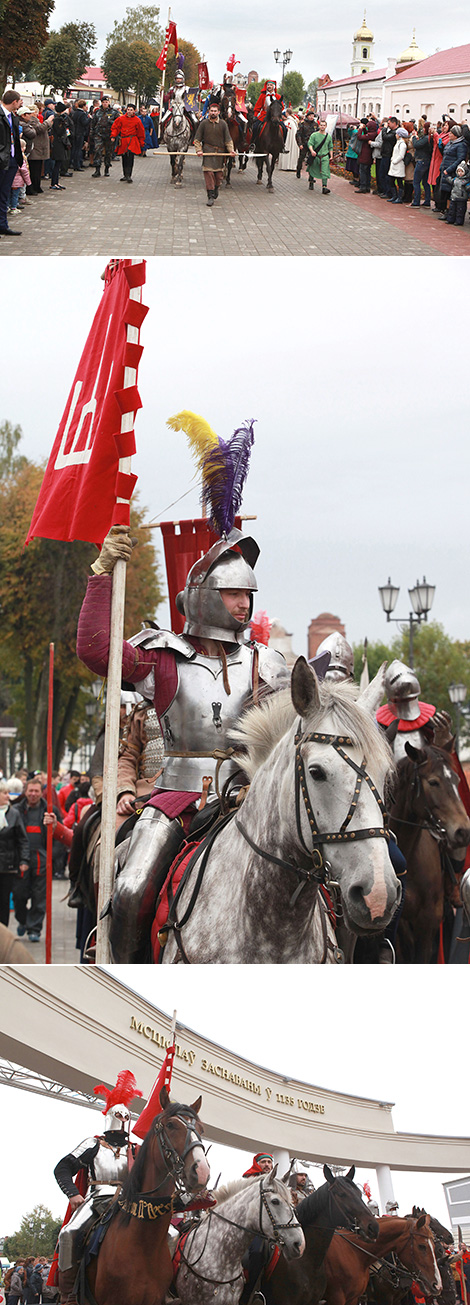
x=154 y=842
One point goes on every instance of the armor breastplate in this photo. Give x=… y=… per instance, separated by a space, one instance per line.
x=110 y=1168
x=154 y=751
x=201 y=715
x=415 y=737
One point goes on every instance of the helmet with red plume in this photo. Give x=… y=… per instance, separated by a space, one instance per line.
x=118 y=1099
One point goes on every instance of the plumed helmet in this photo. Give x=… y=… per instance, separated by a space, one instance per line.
x=180 y=77
x=227 y=565
x=117 y=1100
x=341 y=656
x=402 y=688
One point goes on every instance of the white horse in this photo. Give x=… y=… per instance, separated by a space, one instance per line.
x=211 y=1255
x=177 y=135
x=313 y=815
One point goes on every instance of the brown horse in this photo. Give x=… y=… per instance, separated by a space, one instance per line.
x=134 y=1263
x=270 y=143
x=336 y=1204
x=349 y=1259
x=228 y=108
x=431 y=825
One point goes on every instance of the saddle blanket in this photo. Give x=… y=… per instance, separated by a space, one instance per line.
x=174 y=877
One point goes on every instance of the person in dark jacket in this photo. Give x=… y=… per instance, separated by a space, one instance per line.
x=389 y=140
x=367 y=133
x=60 y=136
x=11 y=154
x=454 y=152
x=302 y=136
x=100 y=137
x=14 y=849
x=30 y=885
x=422 y=147
x=81 y=124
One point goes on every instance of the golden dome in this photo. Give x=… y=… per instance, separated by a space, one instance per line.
x=413 y=54
x=364 y=33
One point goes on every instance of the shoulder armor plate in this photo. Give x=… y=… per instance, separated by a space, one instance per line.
x=273 y=669
x=148 y=638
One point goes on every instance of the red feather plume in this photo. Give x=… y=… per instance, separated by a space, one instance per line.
x=124 y=1091
x=260 y=627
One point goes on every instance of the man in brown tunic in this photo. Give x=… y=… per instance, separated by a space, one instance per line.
x=213 y=138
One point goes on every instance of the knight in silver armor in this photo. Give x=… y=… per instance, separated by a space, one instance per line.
x=211 y=675
x=412 y=721
x=103 y=1162
x=341 y=665
x=178 y=92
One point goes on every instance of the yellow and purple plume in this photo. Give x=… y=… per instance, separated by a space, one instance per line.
x=223 y=465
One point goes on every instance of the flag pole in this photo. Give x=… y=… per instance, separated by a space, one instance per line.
x=173 y=1029
x=163 y=77
x=50 y=831
x=113 y=697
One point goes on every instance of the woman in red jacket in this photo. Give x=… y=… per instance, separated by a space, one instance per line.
x=130 y=133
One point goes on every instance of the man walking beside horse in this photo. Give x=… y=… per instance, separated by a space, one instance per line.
x=213 y=139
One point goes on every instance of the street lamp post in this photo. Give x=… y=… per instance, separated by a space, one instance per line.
x=421 y=599
x=283 y=59
x=457 y=694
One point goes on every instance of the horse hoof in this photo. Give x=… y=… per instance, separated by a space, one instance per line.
x=259 y=182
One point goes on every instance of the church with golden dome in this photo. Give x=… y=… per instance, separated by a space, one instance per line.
x=413 y=83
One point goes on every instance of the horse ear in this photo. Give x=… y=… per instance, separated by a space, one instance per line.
x=197 y=1106
x=304 y=688
x=330 y=1178
x=371 y=697
x=271 y=1176
x=164 y=1098
x=421 y=1221
x=392 y=731
x=416 y=754
x=350 y=1175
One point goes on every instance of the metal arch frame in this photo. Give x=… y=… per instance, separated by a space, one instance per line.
x=12 y=1075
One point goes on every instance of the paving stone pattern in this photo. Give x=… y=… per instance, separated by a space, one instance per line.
x=108 y=217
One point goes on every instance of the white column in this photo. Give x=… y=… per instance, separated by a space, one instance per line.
x=384 y=1181
x=281 y=1159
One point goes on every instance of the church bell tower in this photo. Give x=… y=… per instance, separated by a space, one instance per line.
x=363 y=50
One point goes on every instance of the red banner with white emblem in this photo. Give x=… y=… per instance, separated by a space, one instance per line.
x=83 y=482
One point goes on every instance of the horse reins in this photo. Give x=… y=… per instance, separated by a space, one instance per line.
x=386 y=1263
x=174 y=1161
x=317 y=868
x=275 y=1237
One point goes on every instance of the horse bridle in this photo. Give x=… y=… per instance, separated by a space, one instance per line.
x=275 y=1236
x=399 y=1264
x=173 y=1159
x=317 y=868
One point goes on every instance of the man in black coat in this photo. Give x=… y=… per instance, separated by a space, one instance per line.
x=11 y=154
x=31 y=883
x=14 y=849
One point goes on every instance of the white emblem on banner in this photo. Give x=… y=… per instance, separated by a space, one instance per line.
x=87 y=412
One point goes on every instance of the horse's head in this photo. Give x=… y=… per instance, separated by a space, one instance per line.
x=274 y=111
x=416 y=1251
x=228 y=106
x=178 y=1134
x=277 y=1218
x=341 y=765
x=436 y=784
x=347 y=1206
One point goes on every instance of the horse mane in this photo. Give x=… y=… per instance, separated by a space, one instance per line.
x=223 y=1194
x=132 y=1185
x=262 y=728
x=312 y=1205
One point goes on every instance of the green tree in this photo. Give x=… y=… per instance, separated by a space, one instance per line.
x=23 y=31
x=140 y=24
x=132 y=66
x=191 y=59
x=293 y=88
x=37 y=1234
x=10 y=437
x=41 y=591
x=311 y=91
x=84 y=37
x=438 y=662
x=58 y=62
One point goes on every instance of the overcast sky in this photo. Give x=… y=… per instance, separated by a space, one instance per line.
x=355 y=370
x=385 y=1038
x=319 y=35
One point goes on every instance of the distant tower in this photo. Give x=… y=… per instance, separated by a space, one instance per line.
x=319 y=629
x=412 y=54
x=363 y=50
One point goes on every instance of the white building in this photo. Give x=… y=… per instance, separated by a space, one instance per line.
x=439 y=84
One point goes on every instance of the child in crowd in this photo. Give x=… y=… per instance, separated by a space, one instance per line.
x=459 y=195
x=20 y=181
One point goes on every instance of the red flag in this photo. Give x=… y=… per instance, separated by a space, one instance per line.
x=84 y=478
x=170 y=39
x=153 y=1107
x=231 y=63
x=203 y=76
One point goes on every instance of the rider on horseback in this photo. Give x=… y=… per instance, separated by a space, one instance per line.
x=182 y=675
x=267 y=97
x=416 y=722
x=178 y=93
x=102 y=1164
x=227 y=91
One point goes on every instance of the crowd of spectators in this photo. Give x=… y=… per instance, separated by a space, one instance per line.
x=43 y=144
x=25 y=1282
x=415 y=163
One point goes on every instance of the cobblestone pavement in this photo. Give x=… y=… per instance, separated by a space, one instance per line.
x=64 y=922
x=106 y=217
